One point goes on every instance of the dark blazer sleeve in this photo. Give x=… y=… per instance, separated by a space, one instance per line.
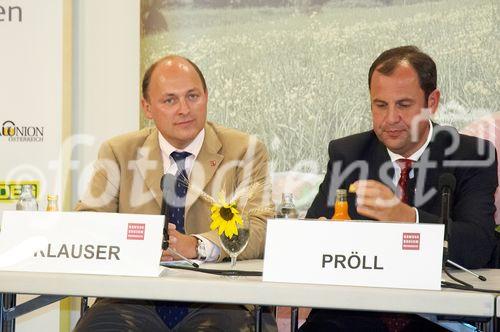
x=471 y=233
x=346 y=164
x=319 y=206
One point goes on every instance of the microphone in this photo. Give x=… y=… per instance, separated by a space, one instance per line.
x=167 y=185
x=447 y=183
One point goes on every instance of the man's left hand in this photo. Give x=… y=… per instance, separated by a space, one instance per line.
x=376 y=200
x=182 y=243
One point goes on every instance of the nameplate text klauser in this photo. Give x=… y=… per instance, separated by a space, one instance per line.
x=81 y=242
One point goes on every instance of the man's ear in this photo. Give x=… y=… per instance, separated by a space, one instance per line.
x=146 y=108
x=433 y=101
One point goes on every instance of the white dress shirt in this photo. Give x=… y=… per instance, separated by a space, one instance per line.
x=170 y=167
x=414 y=157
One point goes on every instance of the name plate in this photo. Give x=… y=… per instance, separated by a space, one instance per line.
x=374 y=254
x=81 y=242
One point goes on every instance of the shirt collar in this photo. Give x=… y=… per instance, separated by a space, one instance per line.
x=417 y=154
x=194 y=147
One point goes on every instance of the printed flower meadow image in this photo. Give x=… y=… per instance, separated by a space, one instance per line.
x=294 y=72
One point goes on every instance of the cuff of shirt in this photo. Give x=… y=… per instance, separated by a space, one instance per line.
x=213 y=251
x=416 y=215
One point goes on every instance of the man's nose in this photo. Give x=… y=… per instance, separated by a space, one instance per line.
x=393 y=115
x=183 y=106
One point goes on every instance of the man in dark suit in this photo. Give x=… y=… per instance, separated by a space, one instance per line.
x=394 y=170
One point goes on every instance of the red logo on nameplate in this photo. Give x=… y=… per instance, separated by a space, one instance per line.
x=136 y=231
x=411 y=241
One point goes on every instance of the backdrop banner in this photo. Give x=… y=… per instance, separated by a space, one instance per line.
x=31 y=63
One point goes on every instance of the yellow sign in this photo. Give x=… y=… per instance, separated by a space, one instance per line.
x=10 y=190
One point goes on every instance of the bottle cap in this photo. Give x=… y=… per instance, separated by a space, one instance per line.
x=51 y=197
x=287 y=197
x=341 y=194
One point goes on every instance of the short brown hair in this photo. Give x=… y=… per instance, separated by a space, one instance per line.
x=147 y=75
x=421 y=62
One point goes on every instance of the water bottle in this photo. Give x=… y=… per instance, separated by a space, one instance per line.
x=27 y=201
x=287 y=207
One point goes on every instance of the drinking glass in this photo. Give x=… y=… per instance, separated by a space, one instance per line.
x=238 y=242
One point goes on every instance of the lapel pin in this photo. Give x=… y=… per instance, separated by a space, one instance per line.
x=212 y=163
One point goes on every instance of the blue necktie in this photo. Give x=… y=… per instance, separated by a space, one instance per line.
x=173 y=312
x=175 y=211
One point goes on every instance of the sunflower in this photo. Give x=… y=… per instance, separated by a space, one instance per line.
x=224 y=218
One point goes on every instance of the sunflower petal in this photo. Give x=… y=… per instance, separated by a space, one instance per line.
x=238 y=219
x=228 y=231
x=222 y=227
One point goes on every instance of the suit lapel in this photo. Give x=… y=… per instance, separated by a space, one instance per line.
x=205 y=166
x=150 y=165
x=427 y=176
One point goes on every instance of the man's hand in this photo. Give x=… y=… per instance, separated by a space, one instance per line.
x=182 y=243
x=377 y=201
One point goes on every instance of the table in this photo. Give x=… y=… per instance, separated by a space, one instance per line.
x=492 y=283
x=191 y=286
